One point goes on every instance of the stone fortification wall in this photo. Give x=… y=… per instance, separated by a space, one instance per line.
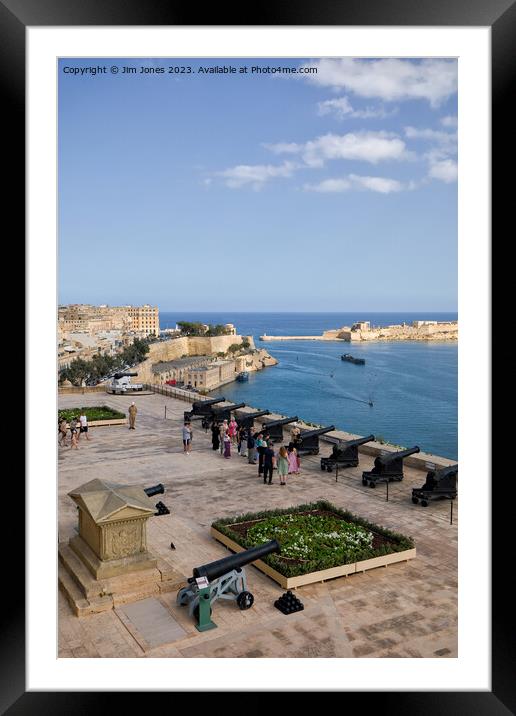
x=194 y=346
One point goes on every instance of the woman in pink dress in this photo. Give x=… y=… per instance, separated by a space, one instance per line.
x=232 y=430
x=292 y=462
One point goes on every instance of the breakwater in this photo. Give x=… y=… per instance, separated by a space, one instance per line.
x=363 y=331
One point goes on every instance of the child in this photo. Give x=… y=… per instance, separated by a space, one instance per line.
x=283 y=465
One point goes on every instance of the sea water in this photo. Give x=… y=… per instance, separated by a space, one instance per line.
x=412 y=384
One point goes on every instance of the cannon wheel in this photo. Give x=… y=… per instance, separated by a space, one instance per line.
x=245 y=600
x=329 y=468
x=182 y=598
x=424 y=503
x=372 y=484
x=364 y=481
x=323 y=467
x=415 y=500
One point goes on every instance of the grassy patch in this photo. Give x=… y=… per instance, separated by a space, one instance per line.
x=313 y=537
x=97 y=412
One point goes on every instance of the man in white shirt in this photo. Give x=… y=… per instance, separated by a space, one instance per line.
x=83 y=420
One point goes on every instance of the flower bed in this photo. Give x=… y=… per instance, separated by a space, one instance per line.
x=92 y=413
x=318 y=541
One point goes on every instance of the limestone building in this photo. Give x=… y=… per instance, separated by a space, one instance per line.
x=143 y=320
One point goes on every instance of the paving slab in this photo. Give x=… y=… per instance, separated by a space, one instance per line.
x=150 y=623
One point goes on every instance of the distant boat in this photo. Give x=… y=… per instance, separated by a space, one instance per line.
x=243 y=376
x=350 y=359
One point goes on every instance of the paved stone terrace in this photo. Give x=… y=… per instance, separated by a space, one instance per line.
x=408 y=609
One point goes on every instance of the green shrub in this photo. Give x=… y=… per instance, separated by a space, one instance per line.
x=92 y=413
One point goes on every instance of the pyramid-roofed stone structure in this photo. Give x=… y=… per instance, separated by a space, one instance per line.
x=102 y=500
x=112 y=527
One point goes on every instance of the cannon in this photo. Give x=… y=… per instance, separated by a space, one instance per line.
x=345 y=454
x=155 y=490
x=308 y=441
x=247 y=420
x=222 y=579
x=439 y=483
x=200 y=408
x=387 y=468
x=274 y=428
x=220 y=413
x=162 y=509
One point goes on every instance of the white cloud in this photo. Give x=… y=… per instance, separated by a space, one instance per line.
x=342 y=108
x=255 y=174
x=382 y=185
x=444 y=139
x=370 y=147
x=449 y=121
x=441 y=158
x=329 y=186
x=282 y=147
x=445 y=170
x=433 y=80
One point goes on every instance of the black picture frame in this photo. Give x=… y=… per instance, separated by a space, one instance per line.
x=500 y=16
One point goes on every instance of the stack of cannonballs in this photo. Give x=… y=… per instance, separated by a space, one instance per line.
x=288 y=603
x=162 y=509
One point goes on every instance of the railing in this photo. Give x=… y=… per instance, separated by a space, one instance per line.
x=171 y=392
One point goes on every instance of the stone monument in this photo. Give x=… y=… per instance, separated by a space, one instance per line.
x=108 y=562
x=112 y=536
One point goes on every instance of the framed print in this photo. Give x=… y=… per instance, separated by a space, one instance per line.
x=212 y=209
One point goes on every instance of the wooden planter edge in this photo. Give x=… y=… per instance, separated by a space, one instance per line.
x=100 y=423
x=322 y=575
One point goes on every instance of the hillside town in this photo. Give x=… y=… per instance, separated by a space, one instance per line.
x=96 y=341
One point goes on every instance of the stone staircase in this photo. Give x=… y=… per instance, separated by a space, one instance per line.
x=86 y=595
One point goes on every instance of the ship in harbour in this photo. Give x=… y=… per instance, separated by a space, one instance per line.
x=351 y=359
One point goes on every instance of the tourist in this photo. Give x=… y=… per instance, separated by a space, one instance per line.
x=251 y=448
x=260 y=449
x=215 y=437
x=83 y=420
x=63 y=429
x=293 y=461
x=74 y=430
x=283 y=465
x=269 y=462
x=232 y=430
x=294 y=434
x=227 y=445
x=132 y=416
x=242 y=441
x=222 y=431
x=187 y=438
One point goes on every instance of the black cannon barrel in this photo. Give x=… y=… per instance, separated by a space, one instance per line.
x=214 y=570
x=283 y=421
x=312 y=433
x=200 y=404
x=224 y=408
x=357 y=441
x=386 y=459
x=125 y=374
x=444 y=472
x=154 y=490
x=252 y=416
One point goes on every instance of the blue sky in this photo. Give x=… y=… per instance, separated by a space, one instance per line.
x=333 y=191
